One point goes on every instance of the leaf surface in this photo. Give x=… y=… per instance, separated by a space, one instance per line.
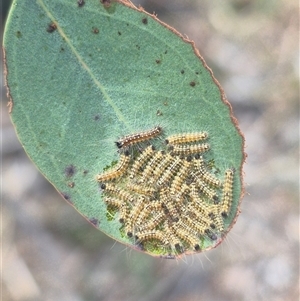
x=79 y=78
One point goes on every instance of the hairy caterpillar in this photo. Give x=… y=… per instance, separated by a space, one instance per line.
x=116 y=172
x=138 y=137
x=186 y=138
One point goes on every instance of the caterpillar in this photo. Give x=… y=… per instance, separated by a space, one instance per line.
x=227 y=192
x=138 y=137
x=172 y=238
x=124 y=213
x=168 y=205
x=147 y=153
x=189 y=149
x=153 y=222
x=211 y=194
x=141 y=189
x=152 y=164
x=198 y=162
x=138 y=207
x=218 y=222
x=184 y=234
x=203 y=172
x=117 y=192
x=180 y=178
x=161 y=167
x=208 y=178
x=186 y=138
x=195 y=225
x=170 y=171
x=118 y=171
x=113 y=202
x=154 y=234
x=148 y=208
x=202 y=216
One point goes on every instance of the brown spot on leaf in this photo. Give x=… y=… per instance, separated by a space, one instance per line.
x=97 y=117
x=145 y=21
x=80 y=3
x=66 y=197
x=182 y=71
x=19 y=34
x=106 y=3
x=95 y=30
x=70 y=171
x=158 y=61
x=192 y=84
x=159 y=113
x=71 y=184
x=51 y=27
x=119 y=33
x=85 y=172
x=94 y=221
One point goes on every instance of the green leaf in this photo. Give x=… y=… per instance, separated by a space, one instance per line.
x=81 y=77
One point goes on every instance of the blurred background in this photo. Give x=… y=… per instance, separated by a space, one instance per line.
x=50 y=252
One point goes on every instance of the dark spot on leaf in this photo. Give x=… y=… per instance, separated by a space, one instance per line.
x=51 y=27
x=62 y=49
x=182 y=71
x=138 y=47
x=85 y=172
x=158 y=61
x=159 y=113
x=165 y=103
x=19 y=34
x=70 y=170
x=80 y=3
x=95 y=30
x=166 y=51
x=106 y=3
x=197 y=72
x=66 y=197
x=71 y=184
x=192 y=84
x=96 y=117
x=94 y=221
x=145 y=21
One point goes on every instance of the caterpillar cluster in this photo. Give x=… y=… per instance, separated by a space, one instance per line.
x=168 y=198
